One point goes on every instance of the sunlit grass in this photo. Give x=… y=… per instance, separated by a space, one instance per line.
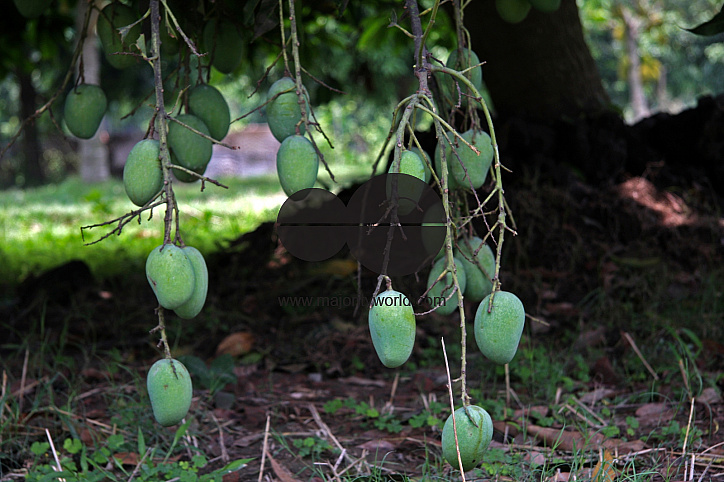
x=41 y=228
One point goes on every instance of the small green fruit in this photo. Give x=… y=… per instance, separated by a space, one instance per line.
x=32 y=8
x=142 y=174
x=183 y=176
x=444 y=287
x=297 y=164
x=170 y=390
x=547 y=6
x=392 y=327
x=194 y=305
x=512 y=11
x=225 y=45
x=84 y=108
x=114 y=16
x=207 y=103
x=477 y=166
x=283 y=113
x=424 y=155
x=171 y=275
x=409 y=191
x=190 y=149
x=412 y=164
x=498 y=332
x=449 y=85
x=479 y=283
x=475 y=431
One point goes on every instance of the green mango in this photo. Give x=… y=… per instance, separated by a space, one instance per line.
x=452 y=184
x=142 y=173
x=409 y=191
x=224 y=45
x=190 y=149
x=194 y=305
x=547 y=6
x=424 y=155
x=114 y=16
x=84 y=108
x=183 y=176
x=170 y=390
x=207 y=103
x=475 y=431
x=479 y=283
x=477 y=166
x=392 y=327
x=412 y=164
x=283 y=113
x=297 y=164
x=498 y=332
x=449 y=85
x=512 y=11
x=441 y=290
x=171 y=275
x=32 y=8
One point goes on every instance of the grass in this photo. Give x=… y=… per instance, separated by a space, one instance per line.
x=41 y=228
x=96 y=394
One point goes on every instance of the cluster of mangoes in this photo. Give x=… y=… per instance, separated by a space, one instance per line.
x=297 y=158
x=515 y=11
x=180 y=280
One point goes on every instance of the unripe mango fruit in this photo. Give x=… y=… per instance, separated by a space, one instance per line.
x=412 y=164
x=142 y=173
x=547 y=6
x=224 y=44
x=194 y=305
x=512 y=11
x=449 y=85
x=170 y=390
x=477 y=166
x=84 y=109
x=498 y=332
x=479 y=283
x=392 y=327
x=114 y=16
x=190 y=149
x=171 y=275
x=283 y=113
x=475 y=431
x=409 y=191
x=441 y=290
x=31 y=8
x=207 y=103
x=297 y=164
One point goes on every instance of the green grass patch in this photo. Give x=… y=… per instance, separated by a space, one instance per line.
x=41 y=228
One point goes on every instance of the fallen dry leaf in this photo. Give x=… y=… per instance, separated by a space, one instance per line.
x=281 y=472
x=593 y=397
x=604 y=471
x=236 y=344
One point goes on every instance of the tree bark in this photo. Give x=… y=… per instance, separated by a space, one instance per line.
x=541 y=66
x=32 y=167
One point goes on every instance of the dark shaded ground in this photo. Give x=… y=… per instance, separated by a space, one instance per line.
x=620 y=232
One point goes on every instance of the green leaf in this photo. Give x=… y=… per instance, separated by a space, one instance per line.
x=712 y=27
x=72 y=446
x=39 y=448
x=141 y=442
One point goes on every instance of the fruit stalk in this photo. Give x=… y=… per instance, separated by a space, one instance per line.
x=164 y=155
